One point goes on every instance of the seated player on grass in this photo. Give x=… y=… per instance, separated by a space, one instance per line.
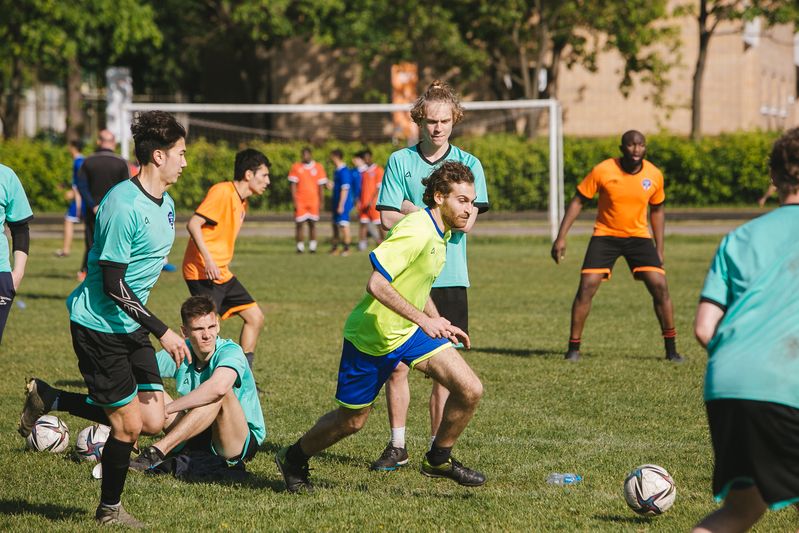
x=218 y=408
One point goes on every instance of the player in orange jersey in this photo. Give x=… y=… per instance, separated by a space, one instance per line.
x=308 y=180
x=213 y=229
x=371 y=179
x=626 y=186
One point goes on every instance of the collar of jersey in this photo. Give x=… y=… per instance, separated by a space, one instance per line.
x=437 y=161
x=441 y=233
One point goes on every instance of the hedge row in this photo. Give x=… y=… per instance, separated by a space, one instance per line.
x=728 y=169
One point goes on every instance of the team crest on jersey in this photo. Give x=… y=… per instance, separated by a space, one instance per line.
x=171 y=218
x=646 y=183
x=408 y=175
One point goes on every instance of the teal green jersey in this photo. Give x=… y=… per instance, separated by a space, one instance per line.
x=14 y=207
x=227 y=354
x=402 y=180
x=410 y=258
x=132 y=229
x=754 y=354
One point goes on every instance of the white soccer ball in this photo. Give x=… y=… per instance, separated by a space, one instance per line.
x=91 y=441
x=649 y=490
x=49 y=434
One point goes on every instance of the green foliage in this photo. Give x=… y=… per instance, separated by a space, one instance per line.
x=728 y=169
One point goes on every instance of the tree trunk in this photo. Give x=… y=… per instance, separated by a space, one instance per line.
x=699 y=71
x=75 y=125
x=11 y=108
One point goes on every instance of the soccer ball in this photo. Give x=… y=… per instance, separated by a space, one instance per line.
x=49 y=434
x=91 y=441
x=649 y=490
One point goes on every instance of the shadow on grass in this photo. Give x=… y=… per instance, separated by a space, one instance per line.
x=42 y=296
x=519 y=352
x=272 y=448
x=619 y=519
x=47 y=510
x=79 y=383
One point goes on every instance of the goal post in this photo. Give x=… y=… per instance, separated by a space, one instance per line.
x=554 y=128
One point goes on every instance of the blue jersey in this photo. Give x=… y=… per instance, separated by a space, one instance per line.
x=14 y=207
x=402 y=180
x=342 y=181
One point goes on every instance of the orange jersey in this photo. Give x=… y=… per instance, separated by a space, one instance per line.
x=371 y=178
x=224 y=211
x=308 y=179
x=623 y=197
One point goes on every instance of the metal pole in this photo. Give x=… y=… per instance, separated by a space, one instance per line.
x=124 y=135
x=554 y=194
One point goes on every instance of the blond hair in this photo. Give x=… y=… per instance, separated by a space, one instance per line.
x=438 y=91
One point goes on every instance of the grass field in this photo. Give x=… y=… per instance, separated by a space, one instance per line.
x=620 y=406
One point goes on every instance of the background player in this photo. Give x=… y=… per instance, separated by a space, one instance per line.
x=342 y=203
x=15 y=212
x=217 y=409
x=308 y=180
x=396 y=322
x=435 y=112
x=371 y=179
x=109 y=320
x=214 y=228
x=626 y=186
x=747 y=321
x=75 y=210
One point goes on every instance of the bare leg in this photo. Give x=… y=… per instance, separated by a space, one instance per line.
x=126 y=422
x=311 y=230
x=253 y=324
x=438 y=398
x=398 y=396
x=151 y=408
x=741 y=510
x=589 y=284
x=299 y=233
x=69 y=231
x=450 y=370
x=333 y=427
x=334 y=239
x=659 y=289
x=345 y=235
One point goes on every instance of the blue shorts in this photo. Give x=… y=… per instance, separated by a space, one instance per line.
x=72 y=214
x=361 y=376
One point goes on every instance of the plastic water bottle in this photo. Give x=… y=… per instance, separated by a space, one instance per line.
x=557 y=478
x=20 y=303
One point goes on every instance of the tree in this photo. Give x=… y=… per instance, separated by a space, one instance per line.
x=714 y=12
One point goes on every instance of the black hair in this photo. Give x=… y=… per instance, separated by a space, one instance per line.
x=337 y=153
x=154 y=130
x=249 y=159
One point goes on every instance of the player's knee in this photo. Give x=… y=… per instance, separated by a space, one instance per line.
x=471 y=391
x=352 y=422
x=399 y=375
x=586 y=290
x=256 y=318
x=152 y=425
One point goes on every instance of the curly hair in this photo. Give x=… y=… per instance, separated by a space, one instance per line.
x=438 y=91
x=154 y=130
x=442 y=178
x=784 y=161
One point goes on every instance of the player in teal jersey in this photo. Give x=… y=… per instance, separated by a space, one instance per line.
x=436 y=112
x=747 y=321
x=397 y=322
x=15 y=212
x=109 y=320
x=218 y=408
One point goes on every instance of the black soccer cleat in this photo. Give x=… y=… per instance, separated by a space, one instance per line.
x=572 y=356
x=675 y=357
x=455 y=471
x=391 y=459
x=39 y=398
x=149 y=458
x=297 y=477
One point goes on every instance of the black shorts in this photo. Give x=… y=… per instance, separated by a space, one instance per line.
x=115 y=366
x=203 y=442
x=755 y=443
x=640 y=254
x=7 y=294
x=452 y=303
x=230 y=297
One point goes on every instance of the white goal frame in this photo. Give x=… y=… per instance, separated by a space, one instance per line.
x=555 y=128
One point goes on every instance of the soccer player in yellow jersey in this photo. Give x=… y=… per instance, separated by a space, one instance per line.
x=626 y=187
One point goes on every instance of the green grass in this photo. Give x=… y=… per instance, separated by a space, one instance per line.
x=620 y=406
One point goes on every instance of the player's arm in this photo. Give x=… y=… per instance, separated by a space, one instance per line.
x=20 y=245
x=116 y=288
x=437 y=327
x=83 y=189
x=293 y=186
x=708 y=316
x=572 y=211
x=195 y=225
x=345 y=192
x=657 y=217
x=213 y=390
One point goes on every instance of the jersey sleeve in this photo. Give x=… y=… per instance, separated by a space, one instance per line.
x=116 y=227
x=214 y=205
x=294 y=175
x=322 y=179
x=480 y=189
x=717 y=282
x=398 y=251
x=391 y=191
x=17 y=207
x=232 y=356
x=660 y=192
x=590 y=184
x=166 y=365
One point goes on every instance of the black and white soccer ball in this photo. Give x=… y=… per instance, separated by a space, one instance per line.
x=91 y=441
x=649 y=490
x=49 y=434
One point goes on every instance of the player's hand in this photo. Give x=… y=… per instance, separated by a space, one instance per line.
x=212 y=271
x=558 y=250
x=175 y=346
x=457 y=335
x=95 y=208
x=16 y=278
x=437 y=328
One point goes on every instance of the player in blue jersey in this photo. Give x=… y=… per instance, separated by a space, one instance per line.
x=435 y=112
x=342 y=203
x=109 y=320
x=218 y=408
x=15 y=212
x=747 y=321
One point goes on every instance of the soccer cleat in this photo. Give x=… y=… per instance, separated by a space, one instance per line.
x=39 y=398
x=391 y=459
x=116 y=516
x=572 y=355
x=675 y=357
x=295 y=476
x=148 y=459
x=455 y=471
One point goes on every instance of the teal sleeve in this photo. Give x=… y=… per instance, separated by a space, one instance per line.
x=392 y=192
x=115 y=228
x=232 y=356
x=717 y=282
x=480 y=189
x=399 y=250
x=17 y=207
x=166 y=365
